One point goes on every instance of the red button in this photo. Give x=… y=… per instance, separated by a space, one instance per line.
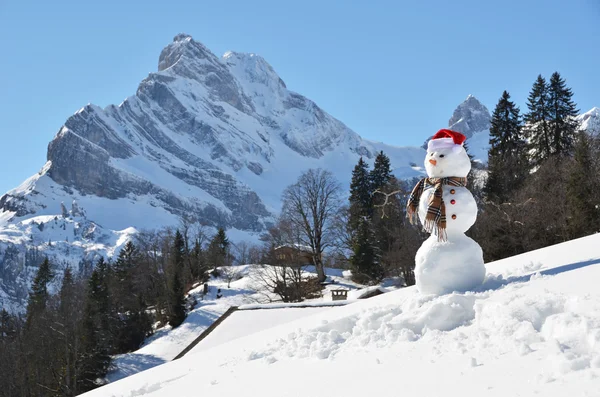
x=452 y=201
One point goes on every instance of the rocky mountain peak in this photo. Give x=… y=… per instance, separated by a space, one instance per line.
x=470 y=117
x=183 y=45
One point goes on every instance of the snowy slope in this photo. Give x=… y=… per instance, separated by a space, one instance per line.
x=167 y=343
x=532 y=329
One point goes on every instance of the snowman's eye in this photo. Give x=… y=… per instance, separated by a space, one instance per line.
x=441 y=155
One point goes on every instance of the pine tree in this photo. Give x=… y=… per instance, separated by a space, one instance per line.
x=360 y=226
x=562 y=109
x=177 y=293
x=382 y=172
x=128 y=298
x=218 y=249
x=365 y=259
x=97 y=333
x=582 y=191
x=38 y=297
x=67 y=327
x=360 y=194
x=37 y=335
x=199 y=268
x=507 y=162
x=222 y=241
x=537 y=121
x=7 y=326
x=383 y=237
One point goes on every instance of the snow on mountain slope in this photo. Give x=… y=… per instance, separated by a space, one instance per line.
x=532 y=329
x=590 y=121
x=213 y=139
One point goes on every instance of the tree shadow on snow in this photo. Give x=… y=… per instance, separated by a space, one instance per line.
x=132 y=363
x=497 y=282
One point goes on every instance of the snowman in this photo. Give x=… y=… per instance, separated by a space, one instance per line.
x=448 y=260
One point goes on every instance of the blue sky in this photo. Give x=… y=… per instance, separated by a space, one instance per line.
x=391 y=70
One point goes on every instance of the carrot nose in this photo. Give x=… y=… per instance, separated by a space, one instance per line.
x=432 y=161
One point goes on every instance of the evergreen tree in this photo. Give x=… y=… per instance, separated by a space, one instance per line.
x=582 y=191
x=562 y=111
x=67 y=331
x=537 y=121
x=199 y=267
x=218 y=249
x=360 y=226
x=37 y=337
x=507 y=167
x=382 y=172
x=365 y=259
x=178 y=250
x=360 y=194
x=38 y=297
x=97 y=333
x=222 y=241
x=383 y=235
x=7 y=326
x=177 y=293
x=128 y=298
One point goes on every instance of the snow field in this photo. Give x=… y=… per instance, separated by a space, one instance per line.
x=524 y=332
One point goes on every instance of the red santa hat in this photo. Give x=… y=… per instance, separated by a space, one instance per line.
x=446 y=139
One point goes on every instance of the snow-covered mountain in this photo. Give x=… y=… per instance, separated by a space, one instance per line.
x=472 y=118
x=532 y=329
x=590 y=121
x=213 y=139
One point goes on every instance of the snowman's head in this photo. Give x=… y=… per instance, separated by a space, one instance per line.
x=446 y=156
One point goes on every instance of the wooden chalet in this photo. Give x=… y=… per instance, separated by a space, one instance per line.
x=294 y=255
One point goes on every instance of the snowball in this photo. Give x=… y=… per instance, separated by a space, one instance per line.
x=448 y=266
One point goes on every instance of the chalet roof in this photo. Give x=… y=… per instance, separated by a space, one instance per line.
x=299 y=247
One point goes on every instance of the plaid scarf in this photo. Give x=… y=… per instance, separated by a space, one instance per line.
x=436 y=209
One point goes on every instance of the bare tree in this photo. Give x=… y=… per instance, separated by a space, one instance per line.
x=241 y=252
x=344 y=237
x=282 y=274
x=310 y=205
x=254 y=255
x=282 y=282
x=230 y=273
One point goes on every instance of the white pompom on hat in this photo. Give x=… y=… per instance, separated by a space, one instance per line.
x=446 y=139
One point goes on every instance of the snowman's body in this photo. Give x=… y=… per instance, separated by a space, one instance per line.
x=459 y=202
x=456 y=262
